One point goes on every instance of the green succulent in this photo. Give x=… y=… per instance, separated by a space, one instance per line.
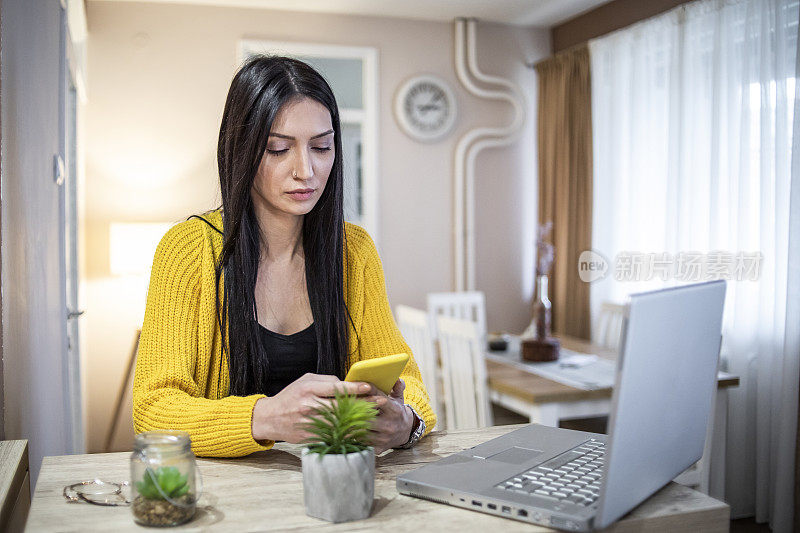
x=168 y=478
x=341 y=427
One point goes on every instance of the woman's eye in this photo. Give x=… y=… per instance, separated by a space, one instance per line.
x=281 y=151
x=322 y=148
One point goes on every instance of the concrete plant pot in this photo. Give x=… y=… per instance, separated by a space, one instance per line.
x=339 y=487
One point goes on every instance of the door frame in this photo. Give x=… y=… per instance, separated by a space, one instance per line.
x=69 y=80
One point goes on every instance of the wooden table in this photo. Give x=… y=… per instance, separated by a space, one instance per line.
x=264 y=491
x=546 y=402
x=15 y=484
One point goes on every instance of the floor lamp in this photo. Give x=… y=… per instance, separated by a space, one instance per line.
x=112 y=428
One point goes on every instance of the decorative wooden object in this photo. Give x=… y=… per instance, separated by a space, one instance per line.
x=540 y=351
x=538 y=345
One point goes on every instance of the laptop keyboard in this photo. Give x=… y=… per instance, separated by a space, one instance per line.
x=573 y=476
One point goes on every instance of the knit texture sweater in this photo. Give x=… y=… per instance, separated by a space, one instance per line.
x=182 y=381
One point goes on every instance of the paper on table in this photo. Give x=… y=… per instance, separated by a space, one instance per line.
x=576 y=360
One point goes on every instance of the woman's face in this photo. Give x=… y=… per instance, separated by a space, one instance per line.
x=298 y=160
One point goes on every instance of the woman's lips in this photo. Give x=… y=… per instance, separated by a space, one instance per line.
x=301 y=194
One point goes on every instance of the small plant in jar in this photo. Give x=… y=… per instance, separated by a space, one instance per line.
x=165 y=482
x=163 y=473
x=339 y=462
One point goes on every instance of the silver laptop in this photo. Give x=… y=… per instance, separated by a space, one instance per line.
x=666 y=376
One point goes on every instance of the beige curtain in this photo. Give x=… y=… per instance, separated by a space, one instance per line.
x=565 y=181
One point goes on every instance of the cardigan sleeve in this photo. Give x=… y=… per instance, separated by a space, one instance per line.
x=166 y=394
x=380 y=335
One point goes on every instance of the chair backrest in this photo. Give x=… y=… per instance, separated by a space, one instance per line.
x=608 y=329
x=466 y=397
x=414 y=326
x=464 y=305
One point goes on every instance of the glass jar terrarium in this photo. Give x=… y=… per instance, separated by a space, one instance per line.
x=164 y=478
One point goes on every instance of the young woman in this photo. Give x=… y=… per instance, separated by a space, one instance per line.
x=256 y=311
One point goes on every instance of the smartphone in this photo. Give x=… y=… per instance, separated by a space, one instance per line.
x=383 y=372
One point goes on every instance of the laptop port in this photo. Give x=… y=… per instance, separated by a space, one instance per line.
x=477 y=503
x=522 y=512
x=491 y=506
x=506 y=509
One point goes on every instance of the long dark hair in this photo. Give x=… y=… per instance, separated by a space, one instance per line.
x=258 y=90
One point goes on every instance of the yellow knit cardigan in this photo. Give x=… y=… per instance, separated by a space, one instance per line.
x=182 y=383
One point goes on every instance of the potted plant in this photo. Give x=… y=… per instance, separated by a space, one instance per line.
x=339 y=463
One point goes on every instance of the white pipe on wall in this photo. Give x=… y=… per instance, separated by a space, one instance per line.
x=470 y=144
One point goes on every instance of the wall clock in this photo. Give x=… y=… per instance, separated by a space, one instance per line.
x=425 y=108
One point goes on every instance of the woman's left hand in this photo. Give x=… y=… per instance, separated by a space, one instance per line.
x=393 y=425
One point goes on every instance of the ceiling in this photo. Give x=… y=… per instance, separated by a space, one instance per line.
x=538 y=13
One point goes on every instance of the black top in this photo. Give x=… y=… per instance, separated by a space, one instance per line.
x=290 y=356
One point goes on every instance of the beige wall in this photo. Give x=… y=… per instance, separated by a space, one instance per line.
x=158 y=77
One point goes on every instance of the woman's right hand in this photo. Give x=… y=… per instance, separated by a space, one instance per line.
x=281 y=417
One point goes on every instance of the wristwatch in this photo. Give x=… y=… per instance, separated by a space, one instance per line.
x=417 y=430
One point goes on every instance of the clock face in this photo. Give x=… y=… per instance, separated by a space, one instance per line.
x=425 y=108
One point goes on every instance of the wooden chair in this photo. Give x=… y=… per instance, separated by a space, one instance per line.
x=466 y=398
x=414 y=326
x=608 y=329
x=464 y=305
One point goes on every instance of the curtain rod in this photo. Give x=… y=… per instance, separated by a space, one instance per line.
x=565 y=51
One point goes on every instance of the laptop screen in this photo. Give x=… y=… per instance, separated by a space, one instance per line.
x=664 y=391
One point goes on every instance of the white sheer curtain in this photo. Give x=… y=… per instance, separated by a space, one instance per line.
x=692 y=126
